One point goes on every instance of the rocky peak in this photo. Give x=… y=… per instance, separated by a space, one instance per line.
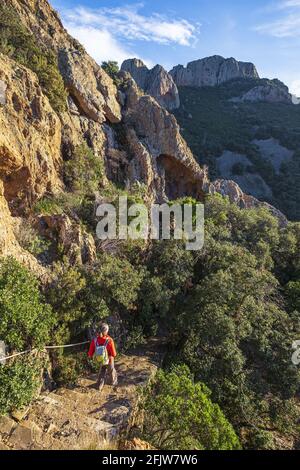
x=212 y=71
x=137 y=69
x=156 y=82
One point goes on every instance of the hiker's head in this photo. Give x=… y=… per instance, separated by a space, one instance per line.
x=104 y=329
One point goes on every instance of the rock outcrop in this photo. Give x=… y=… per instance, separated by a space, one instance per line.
x=136 y=444
x=162 y=160
x=90 y=87
x=86 y=81
x=156 y=82
x=30 y=138
x=78 y=245
x=212 y=71
x=232 y=190
x=267 y=94
x=9 y=246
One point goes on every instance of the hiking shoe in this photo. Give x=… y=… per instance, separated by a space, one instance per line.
x=100 y=385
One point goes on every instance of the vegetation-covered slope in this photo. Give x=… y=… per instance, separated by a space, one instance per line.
x=230 y=313
x=211 y=124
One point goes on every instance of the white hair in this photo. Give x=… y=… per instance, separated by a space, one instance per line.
x=104 y=328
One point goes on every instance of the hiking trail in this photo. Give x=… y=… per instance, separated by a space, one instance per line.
x=80 y=417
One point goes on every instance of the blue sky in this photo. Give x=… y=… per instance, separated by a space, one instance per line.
x=171 y=32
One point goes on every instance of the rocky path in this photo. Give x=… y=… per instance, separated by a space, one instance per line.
x=81 y=417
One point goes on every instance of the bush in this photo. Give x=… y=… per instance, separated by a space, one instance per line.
x=112 y=69
x=84 y=172
x=25 y=319
x=65 y=296
x=30 y=240
x=48 y=206
x=179 y=415
x=19 y=383
x=69 y=366
x=116 y=281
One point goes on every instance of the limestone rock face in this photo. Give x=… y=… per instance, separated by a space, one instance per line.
x=30 y=138
x=156 y=82
x=89 y=86
x=212 y=71
x=267 y=94
x=162 y=160
x=9 y=245
x=78 y=245
x=232 y=190
x=87 y=82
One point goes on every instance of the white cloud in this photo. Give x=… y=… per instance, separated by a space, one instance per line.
x=289 y=4
x=288 y=25
x=127 y=22
x=100 y=44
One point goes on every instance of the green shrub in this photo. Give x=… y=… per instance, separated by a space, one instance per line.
x=30 y=239
x=261 y=440
x=19 y=44
x=179 y=415
x=68 y=366
x=19 y=383
x=112 y=69
x=65 y=296
x=84 y=172
x=48 y=206
x=25 y=319
x=116 y=281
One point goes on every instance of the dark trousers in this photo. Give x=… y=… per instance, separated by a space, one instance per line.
x=107 y=374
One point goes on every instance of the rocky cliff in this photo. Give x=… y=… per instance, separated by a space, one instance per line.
x=212 y=71
x=156 y=82
x=132 y=133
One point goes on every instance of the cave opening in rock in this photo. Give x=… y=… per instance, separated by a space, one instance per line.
x=180 y=181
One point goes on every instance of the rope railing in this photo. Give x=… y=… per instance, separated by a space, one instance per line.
x=3 y=358
x=66 y=345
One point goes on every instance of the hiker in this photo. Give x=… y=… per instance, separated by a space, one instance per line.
x=103 y=347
